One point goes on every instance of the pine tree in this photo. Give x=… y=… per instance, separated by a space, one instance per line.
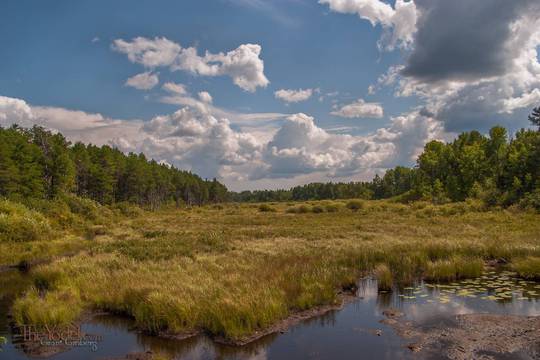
x=534 y=117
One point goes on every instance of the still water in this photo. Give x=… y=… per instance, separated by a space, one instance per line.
x=355 y=332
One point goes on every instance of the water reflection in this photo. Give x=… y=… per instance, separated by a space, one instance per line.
x=350 y=333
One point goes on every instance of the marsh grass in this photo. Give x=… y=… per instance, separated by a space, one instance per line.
x=236 y=270
x=453 y=269
x=355 y=205
x=384 y=277
x=528 y=268
x=266 y=208
x=19 y=223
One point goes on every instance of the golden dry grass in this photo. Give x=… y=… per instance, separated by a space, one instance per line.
x=234 y=269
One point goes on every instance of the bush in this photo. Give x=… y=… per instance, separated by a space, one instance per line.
x=302 y=209
x=18 y=223
x=266 y=208
x=317 y=209
x=87 y=208
x=531 y=201
x=331 y=208
x=528 y=268
x=127 y=209
x=355 y=205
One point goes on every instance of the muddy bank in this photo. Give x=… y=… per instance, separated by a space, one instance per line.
x=472 y=336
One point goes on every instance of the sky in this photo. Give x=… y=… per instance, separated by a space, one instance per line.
x=270 y=94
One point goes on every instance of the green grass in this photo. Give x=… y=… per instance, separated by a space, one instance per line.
x=453 y=268
x=528 y=268
x=235 y=269
x=384 y=277
x=19 y=223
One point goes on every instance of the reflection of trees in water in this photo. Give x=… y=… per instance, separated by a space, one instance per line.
x=326 y=319
x=170 y=347
x=12 y=284
x=200 y=346
x=253 y=350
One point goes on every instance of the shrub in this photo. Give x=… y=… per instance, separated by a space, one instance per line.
x=87 y=208
x=317 y=209
x=531 y=201
x=127 y=209
x=528 y=268
x=18 y=223
x=331 y=208
x=303 y=209
x=266 y=208
x=355 y=205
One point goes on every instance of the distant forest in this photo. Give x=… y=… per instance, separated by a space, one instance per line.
x=494 y=168
x=38 y=164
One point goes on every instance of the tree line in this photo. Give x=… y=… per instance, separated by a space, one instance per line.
x=36 y=163
x=495 y=168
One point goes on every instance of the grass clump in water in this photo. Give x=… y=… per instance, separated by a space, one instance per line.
x=528 y=268
x=57 y=308
x=384 y=277
x=453 y=268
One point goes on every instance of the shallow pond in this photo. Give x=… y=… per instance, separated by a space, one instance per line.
x=354 y=332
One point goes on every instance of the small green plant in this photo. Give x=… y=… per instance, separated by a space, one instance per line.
x=317 y=209
x=266 y=208
x=18 y=223
x=331 y=208
x=384 y=277
x=528 y=268
x=355 y=205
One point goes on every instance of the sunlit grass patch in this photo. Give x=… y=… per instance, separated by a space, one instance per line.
x=453 y=268
x=58 y=308
x=235 y=270
x=19 y=223
x=528 y=268
x=384 y=277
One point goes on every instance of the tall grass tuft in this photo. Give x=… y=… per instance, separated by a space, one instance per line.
x=355 y=205
x=384 y=277
x=453 y=268
x=528 y=268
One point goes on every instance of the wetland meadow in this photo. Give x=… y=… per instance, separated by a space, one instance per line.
x=239 y=280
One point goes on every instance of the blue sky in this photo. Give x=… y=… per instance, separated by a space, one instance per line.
x=61 y=67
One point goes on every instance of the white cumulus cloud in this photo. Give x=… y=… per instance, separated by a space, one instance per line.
x=242 y=64
x=359 y=109
x=398 y=22
x=174 y=88
x=293 y=96
x=143 y=81
x=205 y=96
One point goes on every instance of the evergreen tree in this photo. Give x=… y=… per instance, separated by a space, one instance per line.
x=534 y=117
